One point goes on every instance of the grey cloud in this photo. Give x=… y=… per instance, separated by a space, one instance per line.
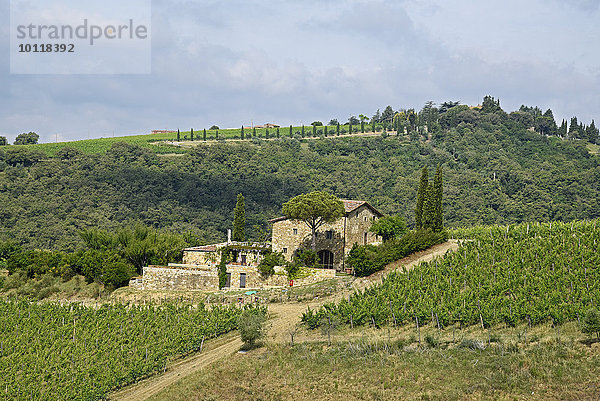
x=232 y=62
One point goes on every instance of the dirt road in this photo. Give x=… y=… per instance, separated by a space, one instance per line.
x=285 y=318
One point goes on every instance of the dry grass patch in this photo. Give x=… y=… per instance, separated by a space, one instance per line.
x=362 y=370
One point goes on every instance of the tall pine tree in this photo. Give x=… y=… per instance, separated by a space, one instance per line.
x=239 y=219
x=421 y=195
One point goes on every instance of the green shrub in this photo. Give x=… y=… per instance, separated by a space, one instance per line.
x=251 y=325
x=591 y=323
x=361 y=258
x=266 y=267
x=306 y=258
x=368 y=259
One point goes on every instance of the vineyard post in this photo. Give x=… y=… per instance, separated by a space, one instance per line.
x=418 y=329
x=393 y=315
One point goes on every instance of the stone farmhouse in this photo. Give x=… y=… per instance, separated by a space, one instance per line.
x=199 y=268
x=334 y=241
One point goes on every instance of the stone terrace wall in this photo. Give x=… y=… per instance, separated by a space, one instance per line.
x=179 y=278
x=204 y=278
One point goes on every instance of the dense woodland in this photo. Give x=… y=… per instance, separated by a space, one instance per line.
x=496 y=170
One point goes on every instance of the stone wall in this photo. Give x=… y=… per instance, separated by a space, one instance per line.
x=289 y=236
x=288 y=241
x=201 y=258
x=179 y=278
x=358 y=223
x=211 y=258
x=183 y=277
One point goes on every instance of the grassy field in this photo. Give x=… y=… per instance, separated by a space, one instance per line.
x=593 y=148
x=162 y=143
x=369 y=364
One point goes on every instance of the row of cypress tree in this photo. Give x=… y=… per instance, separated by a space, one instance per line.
x=429 y=212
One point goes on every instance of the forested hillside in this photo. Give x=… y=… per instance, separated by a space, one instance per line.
x=495 y=171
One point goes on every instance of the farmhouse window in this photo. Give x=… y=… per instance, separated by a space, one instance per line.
x=329 y=234
x=284 y=250
x=295 y=231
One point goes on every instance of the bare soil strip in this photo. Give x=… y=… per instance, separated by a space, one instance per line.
x=285 y=318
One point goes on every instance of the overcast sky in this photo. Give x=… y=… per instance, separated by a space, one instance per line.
x=233 y=62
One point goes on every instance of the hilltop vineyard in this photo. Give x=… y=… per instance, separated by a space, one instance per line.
x=55 y=352
x=534 y=273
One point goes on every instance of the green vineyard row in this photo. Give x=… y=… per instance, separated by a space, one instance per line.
x=55 y=352
x=540 y=272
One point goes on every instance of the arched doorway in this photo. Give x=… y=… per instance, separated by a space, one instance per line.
x=325 y=259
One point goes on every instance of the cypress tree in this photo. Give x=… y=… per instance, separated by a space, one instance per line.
x=421 y=195
x=325 y=130
x=373 y=125
x=217 y=135
x=242 y=133
x=192 y=134
x=222 y=268
x=362 y=127
x=239 y=219
x=350 y=127
x=427 y=220
x=291 y=134
x=254 y=132
x=267 y=133
x=562 y=131
x=314 y=130
x=438 y=193
x=302 y=132
x=204 y=135
x=178 y=135
x=338 y=129
x=277 y=132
